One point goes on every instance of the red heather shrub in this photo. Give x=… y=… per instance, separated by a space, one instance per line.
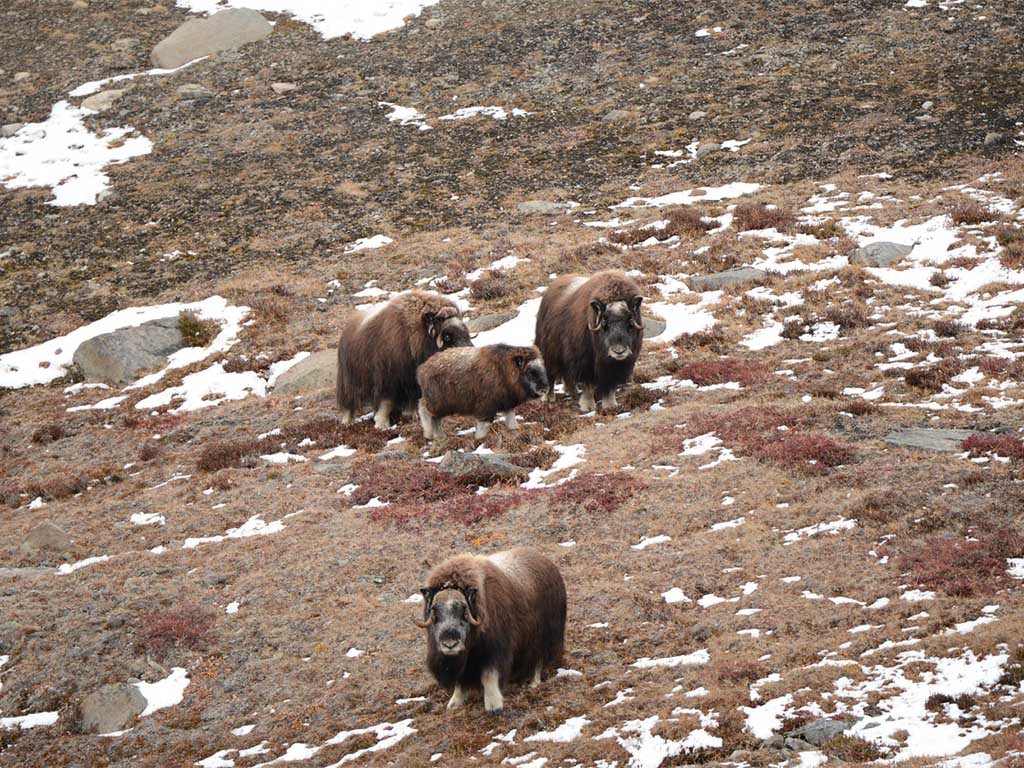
x=1001 y=444
x=188 y=627
x=963 y=567
x=746 y=428
x=401 y=482
x=462 y=509
x=706 y=372
x=1000 y=366
x=595 y=492
x=760 y=216
x=808 y=451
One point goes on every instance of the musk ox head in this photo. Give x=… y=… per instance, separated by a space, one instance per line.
x=532 y=376
x=616 y=327
x=451 y=615
x=446 y=328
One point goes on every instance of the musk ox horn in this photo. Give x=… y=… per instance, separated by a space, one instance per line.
x=598 y=308
x=428 y=602
x=470 y=593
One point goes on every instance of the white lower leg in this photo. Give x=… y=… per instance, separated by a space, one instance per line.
x=346 y=416
x=427 y=421
x=493 y=701
x=382 y=419
x=510 y=420
x=482 y=428
x=609 y=401
x=587 y=403
x=536 y=677
x=458 y=698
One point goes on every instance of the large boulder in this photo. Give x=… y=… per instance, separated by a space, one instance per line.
x=223 y=31
x=929 y=439
x=488 y=322
x=720 y=280
x=111 y=708
x=117 y=357
x=881 y=254
x=46 y=537
x=316 y=372
x=104 y=100
x=653 y=326
x=546 y=207
x=817 y=732
x=481 y=468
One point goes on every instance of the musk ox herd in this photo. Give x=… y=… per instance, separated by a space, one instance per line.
x=496 y=619
x=416 y=349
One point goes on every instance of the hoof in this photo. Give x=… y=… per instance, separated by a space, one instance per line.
x=496 y=712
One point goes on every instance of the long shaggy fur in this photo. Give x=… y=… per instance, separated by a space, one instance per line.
x=570 y=349
x=477 y=381
x=378 y=352
x=521 y=604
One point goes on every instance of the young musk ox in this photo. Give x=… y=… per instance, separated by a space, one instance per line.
x=379 y=351
x=480 y=382
x=589 y=332
x=493 y=620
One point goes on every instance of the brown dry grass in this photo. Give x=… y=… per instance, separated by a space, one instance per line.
x=759 y=216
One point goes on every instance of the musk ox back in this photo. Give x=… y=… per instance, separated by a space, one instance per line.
x=589 y=331
x=379 y=351
x=493 y=620
x=480 y=382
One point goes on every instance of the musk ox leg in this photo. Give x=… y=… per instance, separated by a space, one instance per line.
x=609 y=401
x=431 y=426
x=510 y=420
x=458 y=698
x=536 y=675
x=482 y=428
x=587 y=403
x=382 y=418
x=493 y=701
x=346 y=416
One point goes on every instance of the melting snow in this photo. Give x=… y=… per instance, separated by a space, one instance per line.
x=691 y=196
x=254 y=526
x=164 y=693
x=566 y=732
x=686 y=660
x=34 y=720
x=649 y=541
x=832 y=528
x=569 y=456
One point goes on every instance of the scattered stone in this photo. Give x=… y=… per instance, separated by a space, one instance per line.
x=10 y=129
x=817 y=732
x=719 y=280
x=433 y=23
x=226 y=30
x=881 y=254
x=617 y=116
x=316 y=372
x=697 y=114
x=993 y=137
x=487 y=322
x=927 y=106
x=543 y=206
x=482 y=467
x=282 y=88
x=653 y=326
x=117 y=357
x=46 y=537
x=929 y=439
x=19 y=76
x=111 y=708
x=706 y=148
x=102 y=101
x=194 y=92
x=927 y=119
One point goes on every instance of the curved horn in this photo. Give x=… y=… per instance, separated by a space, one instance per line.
x=428 y=602
x=424 y=624
x=470 y=594
x=637 y=325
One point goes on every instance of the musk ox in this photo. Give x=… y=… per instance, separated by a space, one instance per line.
x=493 y=620
x=589 y=332
x=380 y=350
x=480 y=382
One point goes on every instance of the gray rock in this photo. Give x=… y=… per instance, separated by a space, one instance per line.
x=19 y=76
x=482 y=467
x=10 y=129
x=817 y=732
x=316 y=372
x=223 y=31
x=543 y=206
x=773 y=742
x=102 y=101
x=719 y=280
x=617 y=116
x=487 y=322
x=929 y=439
x=282 y=88
x=653 y=326
x=993 y=137
x=46 y=537
x=194 y=92
x=706 y=148
x=927 y=119
x=798 y=745
x=881 y=254
x=111 y=708
x=927 y=106
x=697 y=114
x=433 y=23
x=116 y=358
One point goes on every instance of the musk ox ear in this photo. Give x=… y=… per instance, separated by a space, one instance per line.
x=597 y=309
x=521 y=361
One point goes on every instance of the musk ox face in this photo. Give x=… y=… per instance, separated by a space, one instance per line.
x=447 y=330
x=449 y=615
x=615 y=327
x=532 y=376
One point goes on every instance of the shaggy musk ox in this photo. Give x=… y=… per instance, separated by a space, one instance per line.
x=493 y=620
x=589 y=332
x=480 y=382
x=380 y=350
